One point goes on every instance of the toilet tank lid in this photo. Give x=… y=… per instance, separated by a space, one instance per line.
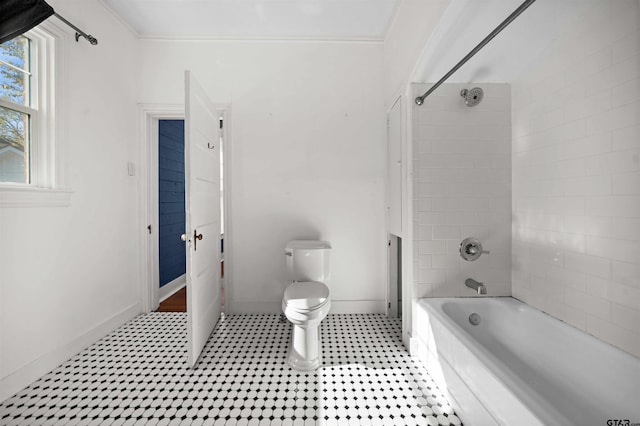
x=307 y=245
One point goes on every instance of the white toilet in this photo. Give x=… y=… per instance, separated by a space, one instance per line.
x=306 y=300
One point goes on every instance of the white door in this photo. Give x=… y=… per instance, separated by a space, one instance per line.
x=202 y=184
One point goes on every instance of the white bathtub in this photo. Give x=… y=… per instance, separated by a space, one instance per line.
x=519 y=366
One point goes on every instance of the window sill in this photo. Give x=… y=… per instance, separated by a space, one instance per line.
x=28 y=196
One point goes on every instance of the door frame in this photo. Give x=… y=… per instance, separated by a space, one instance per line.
x=148 y=244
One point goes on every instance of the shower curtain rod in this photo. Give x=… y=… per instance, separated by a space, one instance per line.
x=420 y=99
x=79 y=32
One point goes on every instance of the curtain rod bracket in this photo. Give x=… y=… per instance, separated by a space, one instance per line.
x=91 y=39
x=79 y=33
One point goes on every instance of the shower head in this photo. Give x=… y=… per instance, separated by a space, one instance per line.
x=472 y=97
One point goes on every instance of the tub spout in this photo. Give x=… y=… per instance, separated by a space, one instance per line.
x=477 y=286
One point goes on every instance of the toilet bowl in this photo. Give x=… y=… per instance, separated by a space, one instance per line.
x=306 y=300
x=305 y=304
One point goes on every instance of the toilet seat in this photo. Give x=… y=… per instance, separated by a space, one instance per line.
x=305 y=296
x=305 y=304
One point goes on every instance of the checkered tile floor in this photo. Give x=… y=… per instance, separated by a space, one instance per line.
x=137 y=376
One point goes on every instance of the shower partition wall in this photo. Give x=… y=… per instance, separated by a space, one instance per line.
x=461 y=188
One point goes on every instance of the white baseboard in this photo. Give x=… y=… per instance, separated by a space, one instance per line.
x=254 y=307
x=414 y=346
x=172 y=287
x=26 y=375
x=357 y=307
x=337 y=307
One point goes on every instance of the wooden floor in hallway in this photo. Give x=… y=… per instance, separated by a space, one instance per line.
x=177 y=302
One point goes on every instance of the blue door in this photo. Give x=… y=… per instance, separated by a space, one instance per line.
x=172 y=254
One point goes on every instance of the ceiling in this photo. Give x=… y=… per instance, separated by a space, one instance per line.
x=242 y=19
x=462 y=26
x=466 y=22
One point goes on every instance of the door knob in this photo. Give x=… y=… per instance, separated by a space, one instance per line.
x=183 y=237
x=196 y=237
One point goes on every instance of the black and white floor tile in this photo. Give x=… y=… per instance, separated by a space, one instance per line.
x=137 y=376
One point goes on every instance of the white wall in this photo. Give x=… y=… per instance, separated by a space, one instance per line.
x=69 y=274
x=414 y=22
x=307 y=157
x=576 y=164
x=461 y=188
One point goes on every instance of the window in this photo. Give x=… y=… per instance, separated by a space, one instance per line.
x=31 y=172
x=16 y=110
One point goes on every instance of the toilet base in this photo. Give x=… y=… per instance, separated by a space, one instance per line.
x=305 y=350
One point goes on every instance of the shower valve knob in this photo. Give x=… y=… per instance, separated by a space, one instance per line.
x=471 y=249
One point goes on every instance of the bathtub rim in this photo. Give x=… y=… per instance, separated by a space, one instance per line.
x=537 y=405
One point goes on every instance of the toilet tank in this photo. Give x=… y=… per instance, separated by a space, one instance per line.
x=307 y=260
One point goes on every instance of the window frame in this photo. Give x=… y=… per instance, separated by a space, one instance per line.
x=48 y=175
x=29 y=110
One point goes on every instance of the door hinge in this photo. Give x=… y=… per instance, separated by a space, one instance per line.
x=389 y=305
x=149 y=229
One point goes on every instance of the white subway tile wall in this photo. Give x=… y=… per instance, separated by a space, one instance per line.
x=461 y=188
x=576 y=176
